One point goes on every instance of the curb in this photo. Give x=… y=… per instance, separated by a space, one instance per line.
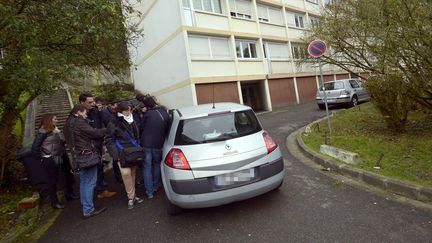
x=406 y=189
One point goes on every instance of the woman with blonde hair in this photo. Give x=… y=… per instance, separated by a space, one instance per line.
x=48 y=145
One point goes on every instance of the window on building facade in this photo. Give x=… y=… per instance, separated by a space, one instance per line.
x=298 y=21
x=276 y=51
x=314 y=21
x=213 y=6
x=246 y=49
x=299 y=51
x=241 y=9
x=186 y=3
x=209 y=47
x=269 y=15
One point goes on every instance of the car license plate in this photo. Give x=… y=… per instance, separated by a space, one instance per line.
x=331 y=100
x=235 y=177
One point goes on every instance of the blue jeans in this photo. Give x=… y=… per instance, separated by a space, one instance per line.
x=152 y=170
x=87 y=184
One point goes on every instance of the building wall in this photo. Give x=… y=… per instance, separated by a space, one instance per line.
x=223 y=92
x=282 y=92
x=160 y=60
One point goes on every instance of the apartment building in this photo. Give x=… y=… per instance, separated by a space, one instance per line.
x=244 y=51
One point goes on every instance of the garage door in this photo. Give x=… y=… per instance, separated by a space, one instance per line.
x=282 y=92
x=223 y=92
x=307 y=88
x=342 y=76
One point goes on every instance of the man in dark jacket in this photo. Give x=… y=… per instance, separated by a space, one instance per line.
x=154 y=129
x=94 y=118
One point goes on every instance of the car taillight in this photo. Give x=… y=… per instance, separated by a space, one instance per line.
x=270 y=143
x=177 y=160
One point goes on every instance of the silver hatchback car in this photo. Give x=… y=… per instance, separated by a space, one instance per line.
x=345 y=91
x=216 y=155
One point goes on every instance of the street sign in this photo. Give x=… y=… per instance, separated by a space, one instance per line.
x=317 y=48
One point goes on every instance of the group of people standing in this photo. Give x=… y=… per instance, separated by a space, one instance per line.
x=119 y=125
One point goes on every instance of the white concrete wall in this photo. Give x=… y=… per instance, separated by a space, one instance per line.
x=178 y=98
x=165 y=68
x=295 y=3
x=250 y=68
x=244 y=26
x=314 y=8
x=160 y=61
x=205 y=20
x=213 y=68
x=273 y=30
x=281 y=67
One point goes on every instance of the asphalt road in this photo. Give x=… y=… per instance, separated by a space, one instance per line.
x=309 y=207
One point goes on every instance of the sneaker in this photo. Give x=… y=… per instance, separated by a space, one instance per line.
x=131 y=204
x=106 y=194
x=150 y=196
x=138 y=200
x=95 y=212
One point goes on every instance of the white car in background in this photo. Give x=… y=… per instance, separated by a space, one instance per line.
x=218 y=154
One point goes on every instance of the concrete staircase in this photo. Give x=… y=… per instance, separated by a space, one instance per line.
x=57 y=103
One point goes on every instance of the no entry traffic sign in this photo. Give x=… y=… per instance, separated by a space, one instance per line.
x=317 y=48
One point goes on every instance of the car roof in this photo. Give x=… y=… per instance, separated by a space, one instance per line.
x=206 y=109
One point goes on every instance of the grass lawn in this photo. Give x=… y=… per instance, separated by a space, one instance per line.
x=362 y=130
x=8 y=207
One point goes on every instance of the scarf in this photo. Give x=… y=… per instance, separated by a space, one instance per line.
x=129 y=118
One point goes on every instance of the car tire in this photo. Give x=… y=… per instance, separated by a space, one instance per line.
x=321 y=106
x=173 y=209
x=354 y=101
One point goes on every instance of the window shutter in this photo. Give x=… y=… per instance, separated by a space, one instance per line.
x=262 y=11
x=199 y=47
x=275 y=16
x=278 y=51
x=244 y=7
x=220 y=48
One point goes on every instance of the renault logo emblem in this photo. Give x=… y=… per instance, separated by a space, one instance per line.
x=227 y=147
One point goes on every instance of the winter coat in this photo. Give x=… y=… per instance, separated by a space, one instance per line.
x=47 y=144
x=81 y=136
x=116 y=131
x=154 y=128
x=107 y=115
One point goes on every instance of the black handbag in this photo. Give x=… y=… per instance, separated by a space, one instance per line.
x=130 y=156
x=87 y=159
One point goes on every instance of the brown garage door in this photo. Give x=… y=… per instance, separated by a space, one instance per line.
x=282 y=92
x=223 y=92
x=342 y=76
x=306 y=88
x=327 y=78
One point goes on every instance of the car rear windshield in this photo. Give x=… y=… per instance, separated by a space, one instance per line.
x=214 y=128
x=333 y=86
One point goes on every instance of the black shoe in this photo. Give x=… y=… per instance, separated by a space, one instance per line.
x=57 y=206
x=71 y=197
x=95 y=212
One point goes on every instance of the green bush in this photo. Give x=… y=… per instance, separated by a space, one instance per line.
x=391 y=96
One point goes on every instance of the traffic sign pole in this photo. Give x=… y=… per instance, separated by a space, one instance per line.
x=325 y=96
x=316 y=49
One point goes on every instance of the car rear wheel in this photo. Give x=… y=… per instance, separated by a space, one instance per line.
x=173 y=209
x=321 y=106
x=354 y=101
